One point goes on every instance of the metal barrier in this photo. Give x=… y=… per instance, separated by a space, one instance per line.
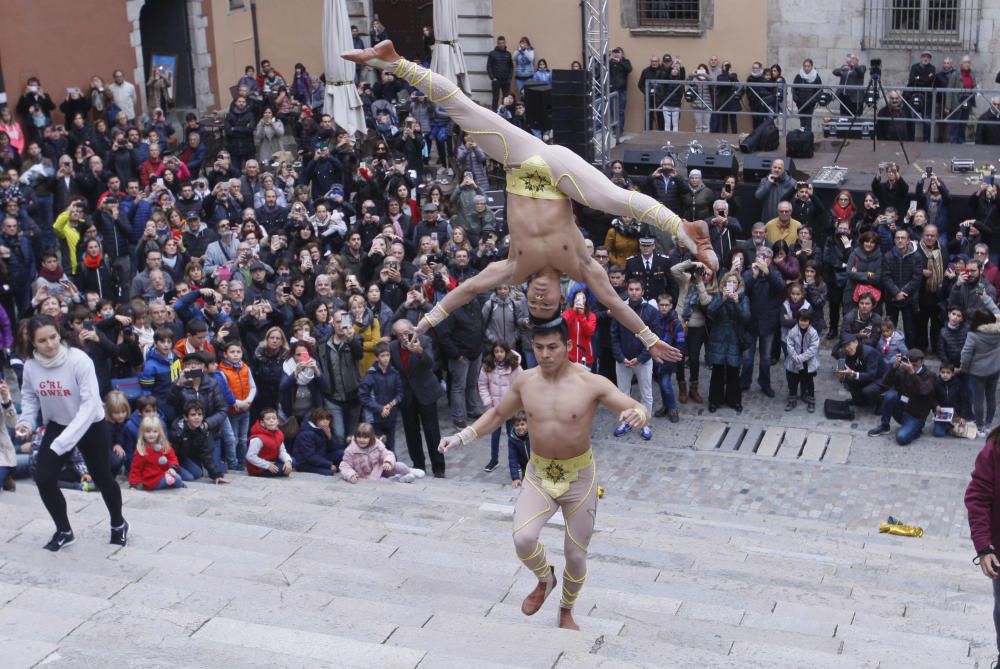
x=930 y=107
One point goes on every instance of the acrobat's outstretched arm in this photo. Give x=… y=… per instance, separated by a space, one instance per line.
x=597 y=280
x=495 y=274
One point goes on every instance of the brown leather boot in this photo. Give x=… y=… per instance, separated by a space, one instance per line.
x=695 y=395
x=682 y=392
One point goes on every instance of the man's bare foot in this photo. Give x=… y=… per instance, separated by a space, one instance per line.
x=566 y=621
x=537 y=597
x=382 y=55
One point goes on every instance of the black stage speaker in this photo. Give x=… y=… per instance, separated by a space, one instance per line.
x=756 y=168
x=572 y=121
x=642 y=162
x=537 y=97
x=713 y=166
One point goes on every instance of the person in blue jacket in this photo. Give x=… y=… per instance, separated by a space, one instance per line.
x=160 y=371
x=314 y=450
x=381 y=393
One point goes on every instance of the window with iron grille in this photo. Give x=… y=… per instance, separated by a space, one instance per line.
x=924 y=15
x=922 y=23
x=669 y=12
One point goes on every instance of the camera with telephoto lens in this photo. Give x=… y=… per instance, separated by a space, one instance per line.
x=697 y=270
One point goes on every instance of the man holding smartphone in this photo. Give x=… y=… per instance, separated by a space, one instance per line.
x=338 y=359
x=413 y=358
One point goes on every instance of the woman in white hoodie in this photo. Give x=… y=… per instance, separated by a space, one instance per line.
x=60 y=382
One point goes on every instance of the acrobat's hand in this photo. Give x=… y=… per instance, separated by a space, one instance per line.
x=634 y=417
x=664 y=352
x=449 y=443
x=694 y=235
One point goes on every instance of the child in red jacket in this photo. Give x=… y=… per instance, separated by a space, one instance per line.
x=154 y=465
x=266 y=453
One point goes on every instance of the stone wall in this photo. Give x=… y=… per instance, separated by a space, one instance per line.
x=827 y=31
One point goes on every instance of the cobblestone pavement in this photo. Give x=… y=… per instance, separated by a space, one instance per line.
x=923 y=483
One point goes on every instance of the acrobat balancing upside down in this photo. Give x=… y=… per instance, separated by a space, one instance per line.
x=541 y=182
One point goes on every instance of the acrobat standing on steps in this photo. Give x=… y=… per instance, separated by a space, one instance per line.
x=542 y=182
x=560 y=399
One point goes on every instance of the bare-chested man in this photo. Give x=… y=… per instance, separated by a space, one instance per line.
x=560 y=398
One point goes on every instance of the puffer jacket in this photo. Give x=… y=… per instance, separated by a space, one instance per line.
x=494 y=385
x=950 y=344
x=313 y=448
x=902 y=273
x=889 y=349
x=727 y=318
x=802 y=353
x=158 y=374
x=379 y=388
x=981 y=353
x=501 y=319
x=365 y=462
x=859 y=265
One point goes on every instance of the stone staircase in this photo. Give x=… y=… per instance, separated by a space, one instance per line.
x=312 y=572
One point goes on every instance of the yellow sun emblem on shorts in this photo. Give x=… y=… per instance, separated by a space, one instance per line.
x=555 y=472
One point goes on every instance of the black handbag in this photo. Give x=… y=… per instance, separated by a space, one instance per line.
x=838 y=410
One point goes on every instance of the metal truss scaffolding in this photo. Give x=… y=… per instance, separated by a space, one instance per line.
x=596 y=51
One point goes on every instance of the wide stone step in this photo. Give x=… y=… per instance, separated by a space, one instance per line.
x=312 y=645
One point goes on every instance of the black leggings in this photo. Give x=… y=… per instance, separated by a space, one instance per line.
x=95 y=447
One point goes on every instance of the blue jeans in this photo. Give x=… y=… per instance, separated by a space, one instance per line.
x=388 y=428
x=228 y=437
x=910 y=426
x=984 y=399
x=529 y=358
x=163 y=485
x=4 y=473
x=622 y=99
x=762 y=344
x=463 y=395
x=239 y=423
x=909 y=329
x=117 y=463
x=941 y=428
x=495 y=440
x=345 y=419
x=190 y=470
x=666 y=382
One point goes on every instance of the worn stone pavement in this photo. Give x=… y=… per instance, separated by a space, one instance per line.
x=700 y=559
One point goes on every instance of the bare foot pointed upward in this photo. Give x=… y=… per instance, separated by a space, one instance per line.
x=382 y=55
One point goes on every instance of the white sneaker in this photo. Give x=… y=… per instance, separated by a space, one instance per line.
x=407 y=478
x=417 y=473
x=981 y=434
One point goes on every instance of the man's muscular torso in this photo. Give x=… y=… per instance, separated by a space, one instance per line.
x=561 y=410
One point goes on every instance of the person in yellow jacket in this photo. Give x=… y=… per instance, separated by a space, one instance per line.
x=67 y=229
x=365 y=324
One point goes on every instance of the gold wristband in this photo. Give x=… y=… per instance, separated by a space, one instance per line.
x=647 y=337
x=467 y=435
x=436 y=315
x=641 y=410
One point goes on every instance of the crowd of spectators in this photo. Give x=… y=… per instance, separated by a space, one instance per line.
x=271 y=278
